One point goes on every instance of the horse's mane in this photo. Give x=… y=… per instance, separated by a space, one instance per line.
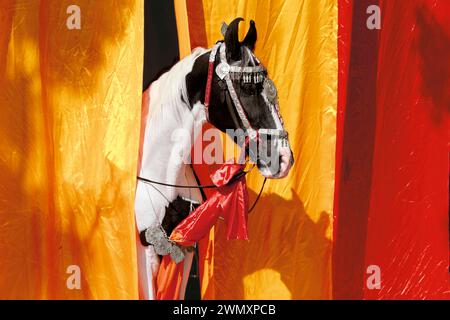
x=172 y=84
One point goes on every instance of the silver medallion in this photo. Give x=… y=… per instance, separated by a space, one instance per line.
x=222 y=70
x=176 y=254
x=157 y=237
x=270 y=91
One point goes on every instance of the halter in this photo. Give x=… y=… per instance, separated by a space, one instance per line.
x=248 y=74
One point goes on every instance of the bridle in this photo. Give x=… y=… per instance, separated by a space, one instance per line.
x=210 y=186
x=247 y=74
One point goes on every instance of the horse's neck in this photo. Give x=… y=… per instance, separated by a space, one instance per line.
x=166 y=142
x=161 y=160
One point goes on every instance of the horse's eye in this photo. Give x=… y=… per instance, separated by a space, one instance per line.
x=252 y=88
x=259 y=87
x=248 y=88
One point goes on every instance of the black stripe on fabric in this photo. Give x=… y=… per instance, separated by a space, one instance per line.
x=161 y=52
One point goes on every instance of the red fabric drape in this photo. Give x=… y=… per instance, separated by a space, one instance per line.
x=391 y=201
x=168 y=281
x=408 y=229
x=230 y=201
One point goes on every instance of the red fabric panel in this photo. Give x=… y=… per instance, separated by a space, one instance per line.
x=197 y=33
x=407 y=233
x=355 y=140
x=206 y=245
x=392 y=166
x=344 y=42
x=169 y=279
x=144 y=116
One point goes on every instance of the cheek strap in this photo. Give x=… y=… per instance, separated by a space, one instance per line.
x=231 y=110
x=212 y=59
x=223 y=70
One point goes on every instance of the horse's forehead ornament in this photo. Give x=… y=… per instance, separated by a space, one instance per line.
x=222 y=70
x=247 y=74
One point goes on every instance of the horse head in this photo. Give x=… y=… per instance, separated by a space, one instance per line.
x=242 y=98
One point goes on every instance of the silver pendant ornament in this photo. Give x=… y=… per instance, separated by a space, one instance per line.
x=270 y=91
x=157 y=237
x=222 y=70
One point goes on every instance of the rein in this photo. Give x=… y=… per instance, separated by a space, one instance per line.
x=211 y=186
x=208 y=186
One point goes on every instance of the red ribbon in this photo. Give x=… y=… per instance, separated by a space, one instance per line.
x=208 y=83
x=229 y=201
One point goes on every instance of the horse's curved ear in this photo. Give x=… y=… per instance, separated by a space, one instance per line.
x=250 y=38
x=232 y=40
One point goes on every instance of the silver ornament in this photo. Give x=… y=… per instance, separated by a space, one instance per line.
x=270 y=91
x=222 y=70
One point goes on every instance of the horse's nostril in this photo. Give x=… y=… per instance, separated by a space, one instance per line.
x=268 y=168
x=261 y=163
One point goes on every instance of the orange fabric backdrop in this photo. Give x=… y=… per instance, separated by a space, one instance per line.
x=69 y=112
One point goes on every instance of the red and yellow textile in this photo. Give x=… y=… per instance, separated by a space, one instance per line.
x=370 y=181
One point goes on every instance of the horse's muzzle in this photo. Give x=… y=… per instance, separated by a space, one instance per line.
x=279 y=167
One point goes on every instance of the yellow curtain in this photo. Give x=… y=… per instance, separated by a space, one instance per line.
x=289 y=252
x=70 y=112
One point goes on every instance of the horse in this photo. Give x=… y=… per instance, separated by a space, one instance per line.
x=228 y=87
